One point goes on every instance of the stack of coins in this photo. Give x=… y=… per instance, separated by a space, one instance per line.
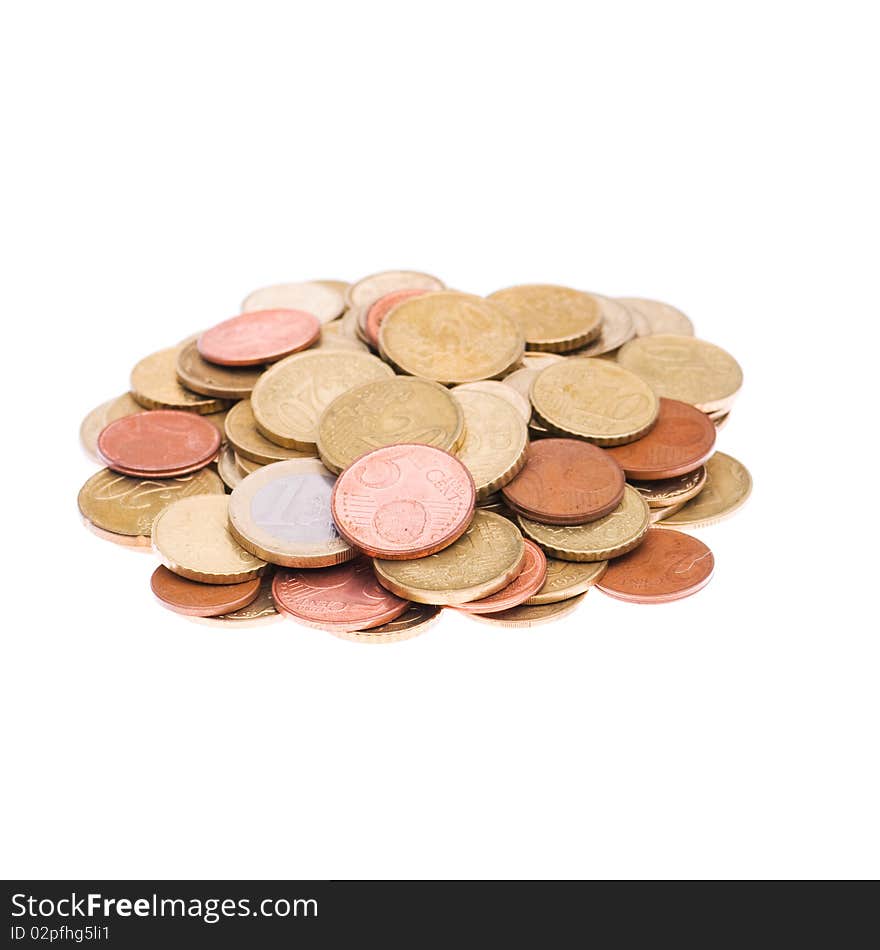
x=361 y=456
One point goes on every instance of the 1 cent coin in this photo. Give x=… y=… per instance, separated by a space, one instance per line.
x=667 y=565
x=342 y=597
x=524 y=585
x=566 y=482
x=162 y=443
x=681 y=440
x=201 y=600
x=261 y=336
x=403 y=501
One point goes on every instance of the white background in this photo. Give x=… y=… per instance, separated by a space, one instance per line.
x=161 y=161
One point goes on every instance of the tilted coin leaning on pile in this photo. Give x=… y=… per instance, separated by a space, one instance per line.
x=360 y=456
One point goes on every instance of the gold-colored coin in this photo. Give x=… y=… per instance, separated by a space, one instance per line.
x=249 y=466
x=192 y=538
x=450 y=338
x=250 y=443
x=495 y=442
x=611 y=536
x=281 y=513
x=323 y=298
x=530 y=615
x=228 y=469
x=566 y=579
x=684 y=368
x=290 y=397
x=415 y=620
x=595 y=400
x=496 y=387
x=369 y=289
x=335 y=336
x=670 y=491
x=154 y=384
x=128 y=506
x=209 y=379
x=551 y=318
x=661 y=514
x=484 y=559
x=133 y=542
x=258 y=612
x=101 y=416
x=653 y=316
x=539 y=361
x=728 y=486
x=618 y=327
x=385 y=412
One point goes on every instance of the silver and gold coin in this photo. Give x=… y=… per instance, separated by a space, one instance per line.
x=291 y=396
x=595 y=400
x=192 y=538
x=484 y=559
x=727 y=489
x=609 y=537
x=385 y=412
x=451 y=338
x=684 y=368
x=281 y=513
x=495 y=442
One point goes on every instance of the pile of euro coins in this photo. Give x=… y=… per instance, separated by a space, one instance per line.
x=360 y=456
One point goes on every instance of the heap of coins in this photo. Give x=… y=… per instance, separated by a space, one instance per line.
x=361 y=456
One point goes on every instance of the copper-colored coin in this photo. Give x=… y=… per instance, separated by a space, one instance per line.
x=566 y=482
x=415 y=620
x=201 y=600
x=261 y=336
x=530 y=615
x=667 y=565
x=403 y=501
x=529 y=580
x=342 y=597
x=376 y=313
x=211 y=379
x=161 y=443
x=681 y=440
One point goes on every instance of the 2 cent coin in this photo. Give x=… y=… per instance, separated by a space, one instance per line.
x=201 y=600
x=162 y=443
x=261 y=336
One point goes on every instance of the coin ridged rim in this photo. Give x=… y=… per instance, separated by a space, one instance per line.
x=560 y=344
x=291 y=441
x=722 y=515
x=336 y=464
x=378 y=636
x=452 y=596
x=643 y=487
x=273 y=453
x=528 y=528
x=507 y=475
x=208 y=577
x=281 y=554
x=203 y=406
x=399 y=361
x=204 y=387
x=565 y=607
x=622 y=438
x=581 y=587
